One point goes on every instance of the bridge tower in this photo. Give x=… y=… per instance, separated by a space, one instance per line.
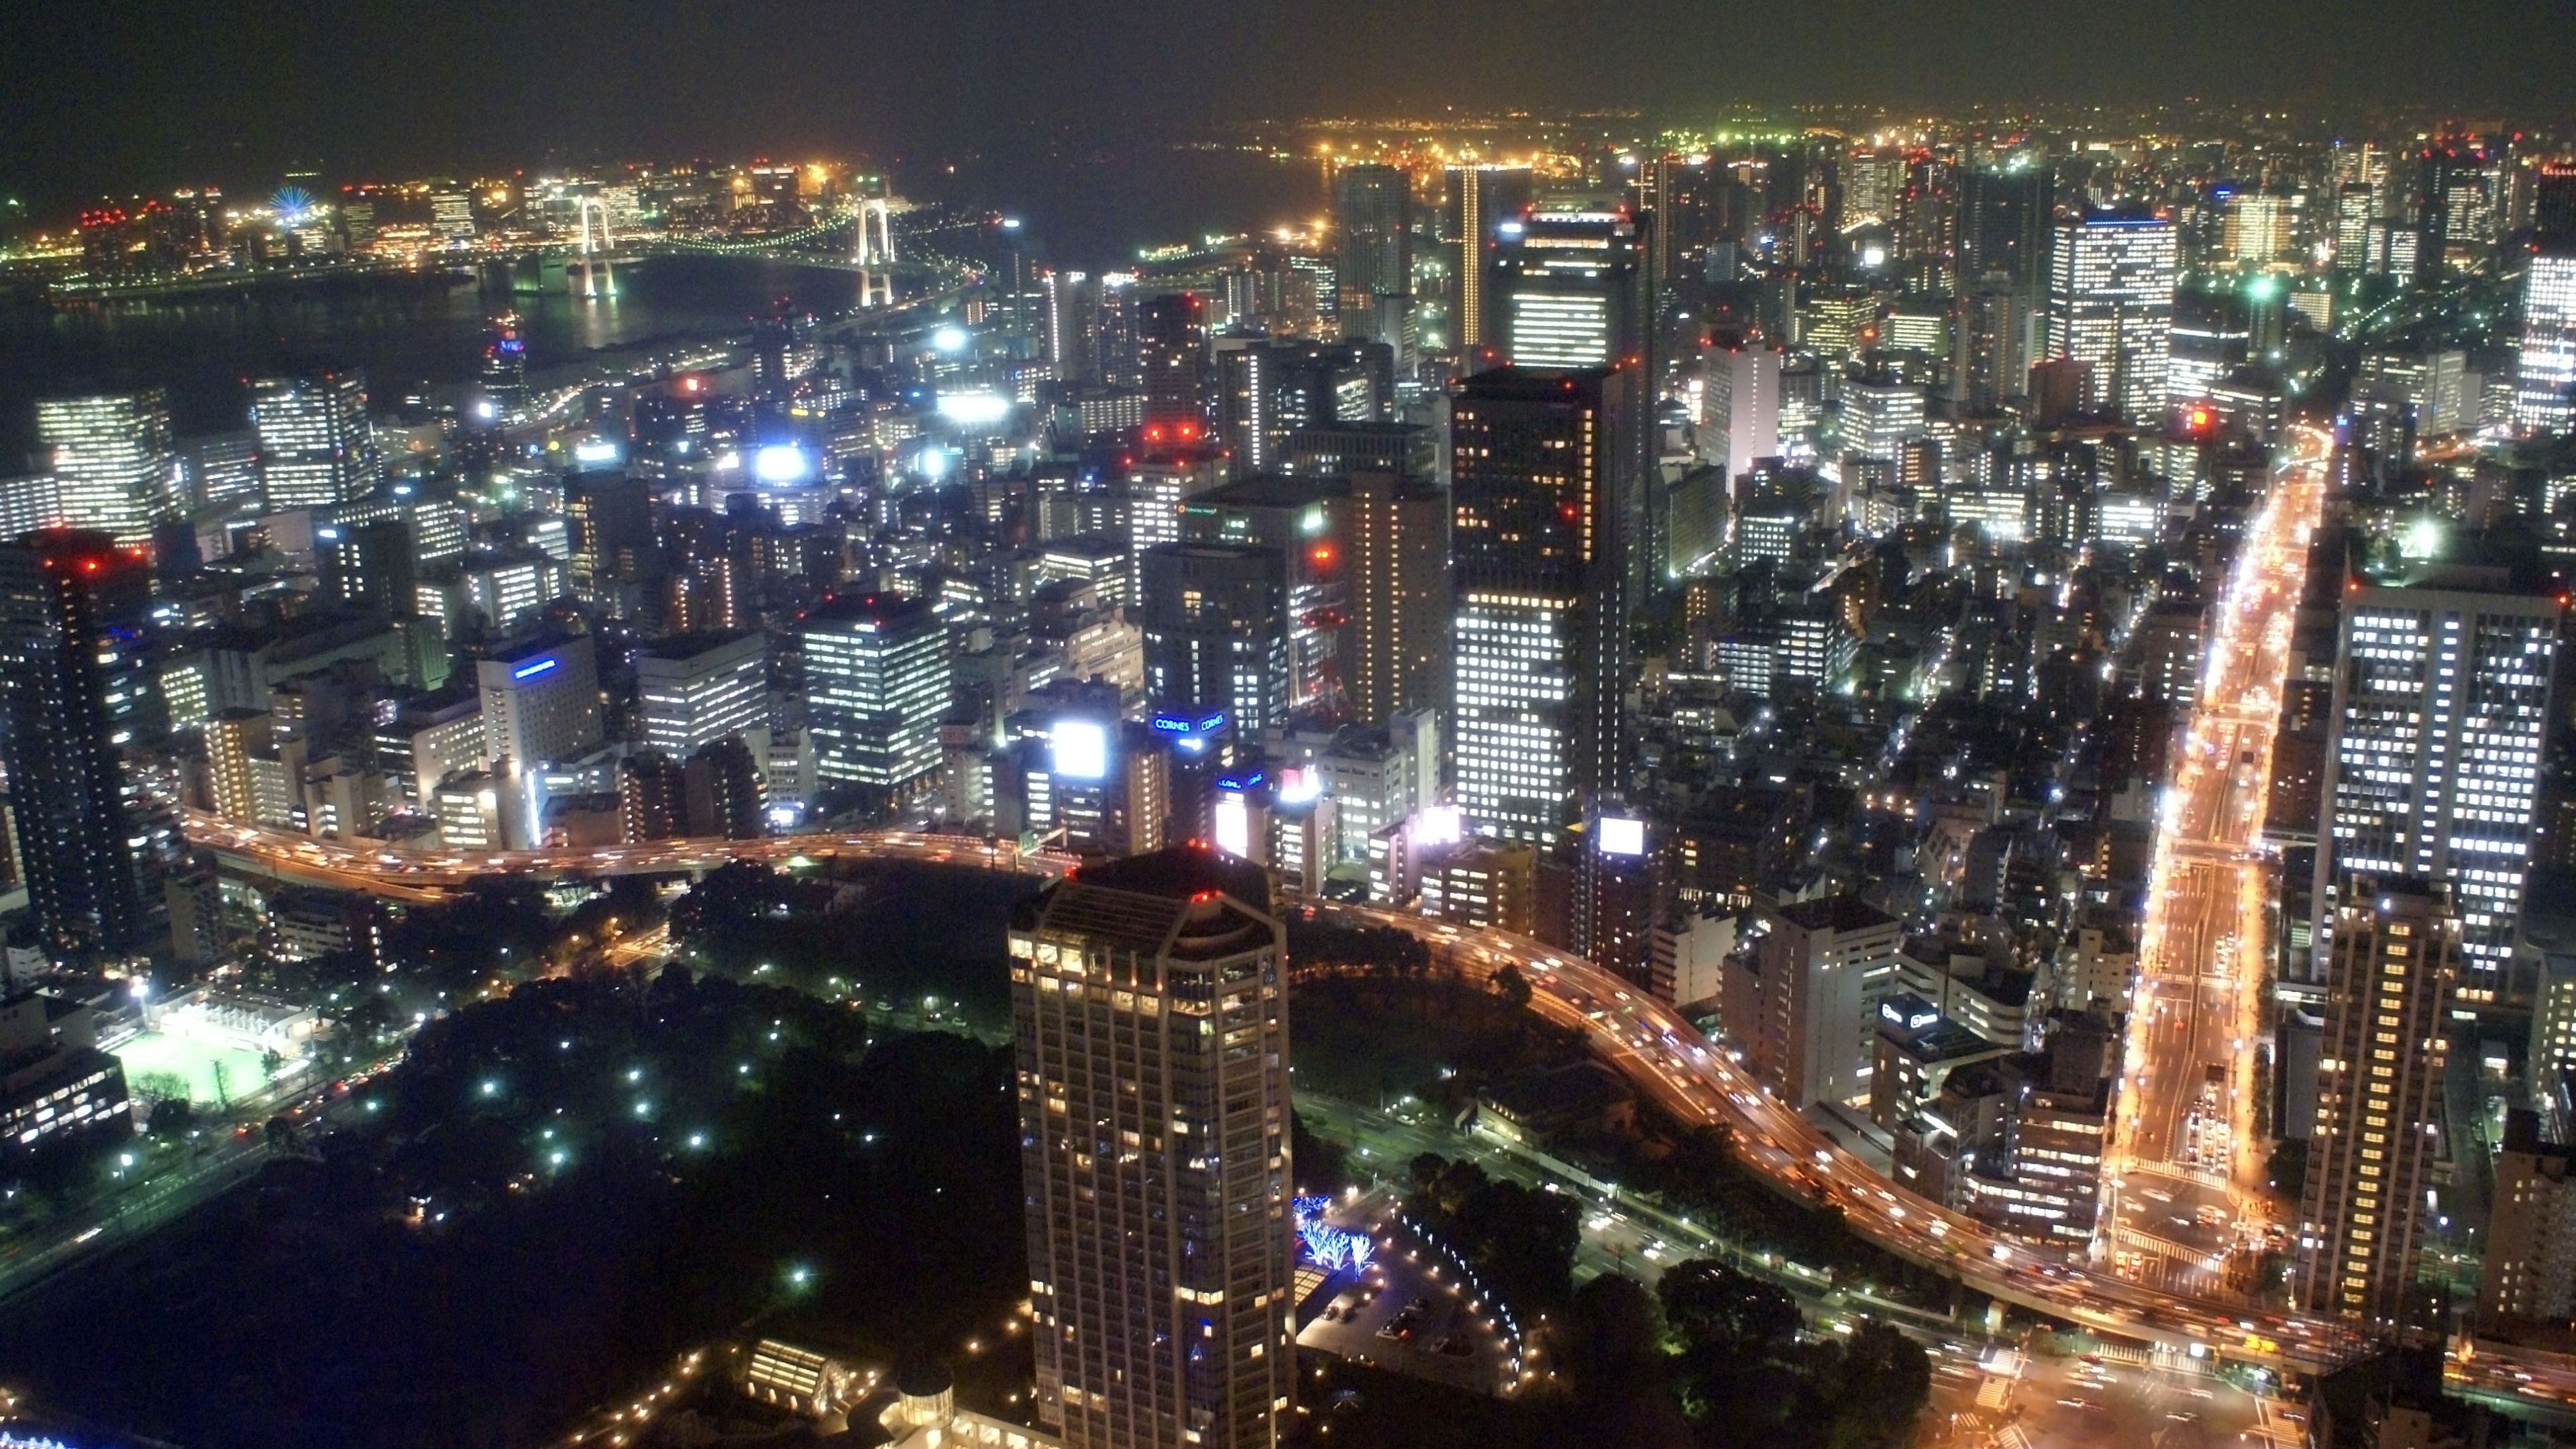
x=598 y=274
x=875 y=254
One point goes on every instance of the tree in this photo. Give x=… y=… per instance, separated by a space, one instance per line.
x=1883 y=1381
x=1512 y=987
x=171 y=1117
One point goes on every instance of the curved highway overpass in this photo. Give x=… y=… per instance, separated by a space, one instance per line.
x=1658 y=1051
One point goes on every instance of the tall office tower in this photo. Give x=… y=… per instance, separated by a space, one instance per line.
x=2353 y=214
x=615 y=557
x=692 y=691
x=1569 y=286
x=540 y=702
x=76 y=689
x=369 y=565
x=1990 y=361
x=2460 y=208
x=1396 y=647
x=1372 y=219
x=2379 y=1083
x=1171 y=352
x=1114 y=331
x=2441 y=712
x=2004 y=219
x=1678 y=193
x=1247 y=403
x=315 y=444
x=2256 y=229
x=1743 y=405
x=1481 y=199
x=1539 y=603
x=1149 y=998
x=452 y=217
x=1072 y=302
x=111 y=460
x=1926 y=226
x=1215 y=618
x=2553 y=205
x=1880 y=416
x=876 y=686
x=2544 y=395
x=2110 y=304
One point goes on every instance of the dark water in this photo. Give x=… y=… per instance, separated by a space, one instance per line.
x=1080 y=206
x=402 y=331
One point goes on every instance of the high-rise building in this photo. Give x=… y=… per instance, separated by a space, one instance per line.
x=2544 y=397
x=1481 y=198
x=2379 y=1097
x=2553 y=206
x=1803 y=1003
x=2111 y=304
x=1992 y=357
x=1072 y=321
x=1171 y=353
x=2004 y=216
x=2529 y=1275
x=1215 y=618
x=2441 y=713
x=315 y=444
x=111 y=461
x=77 y=695
x=876 y=684
x=1570 y=288
x=692 y=691
x=2460 y=198
x=1396 y=553
x=540 y=702
x=1743 y=405
x=1538 y=589
x=2257 y=228
x=370 y=565
x=1372 y=219
x=1149 y=998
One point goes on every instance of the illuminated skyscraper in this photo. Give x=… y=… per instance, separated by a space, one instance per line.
x=1216 y=626
x=1481 y=198
x=876 y=685
x=2544 y=397
x=315 y=444
x=1072 y=301
x=693 y=691
x=1171 y=353
x=1149 y=998
x=1743 y=405
x=2111 y=303
x=2441 y=712
x=1396 y=551
x=77 y=697
x=1570 y=285
x=540 y=702
x=2379 y=1098
x=111 y=461
x=1372 y=207
x=1539 y=613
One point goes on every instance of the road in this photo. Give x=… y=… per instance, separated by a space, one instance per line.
x=1660 y=1053
x=2186 y=1168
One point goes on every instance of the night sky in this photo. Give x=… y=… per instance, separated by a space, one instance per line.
x=118 y=95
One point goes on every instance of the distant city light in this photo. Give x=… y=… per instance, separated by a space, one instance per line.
x=949 y=339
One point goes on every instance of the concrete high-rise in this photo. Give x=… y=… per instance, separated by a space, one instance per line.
x=315 y=444
x=1396 y=553
x=1171 y=354
x=1804 y=1001
x=692 y=691
x=1481 y=198
x=877 y=673
x=111 y=461
x=1570 y=288
x=2396 y=946
x=1742 y=405
x=2440 y=717
x=2544 y=396
x=540 y=702
x=1538 y=590
x=1215 y=618
x=1149 y=999
x=1373 y=245
x=76 y=693
x=2111 y=305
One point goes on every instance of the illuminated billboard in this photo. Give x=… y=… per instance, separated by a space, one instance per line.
x=1622 y=837
x=1081 y=749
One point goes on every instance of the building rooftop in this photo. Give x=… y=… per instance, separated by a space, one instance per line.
x=1835 y=913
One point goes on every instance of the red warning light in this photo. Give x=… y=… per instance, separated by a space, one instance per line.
x=1322 y=553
